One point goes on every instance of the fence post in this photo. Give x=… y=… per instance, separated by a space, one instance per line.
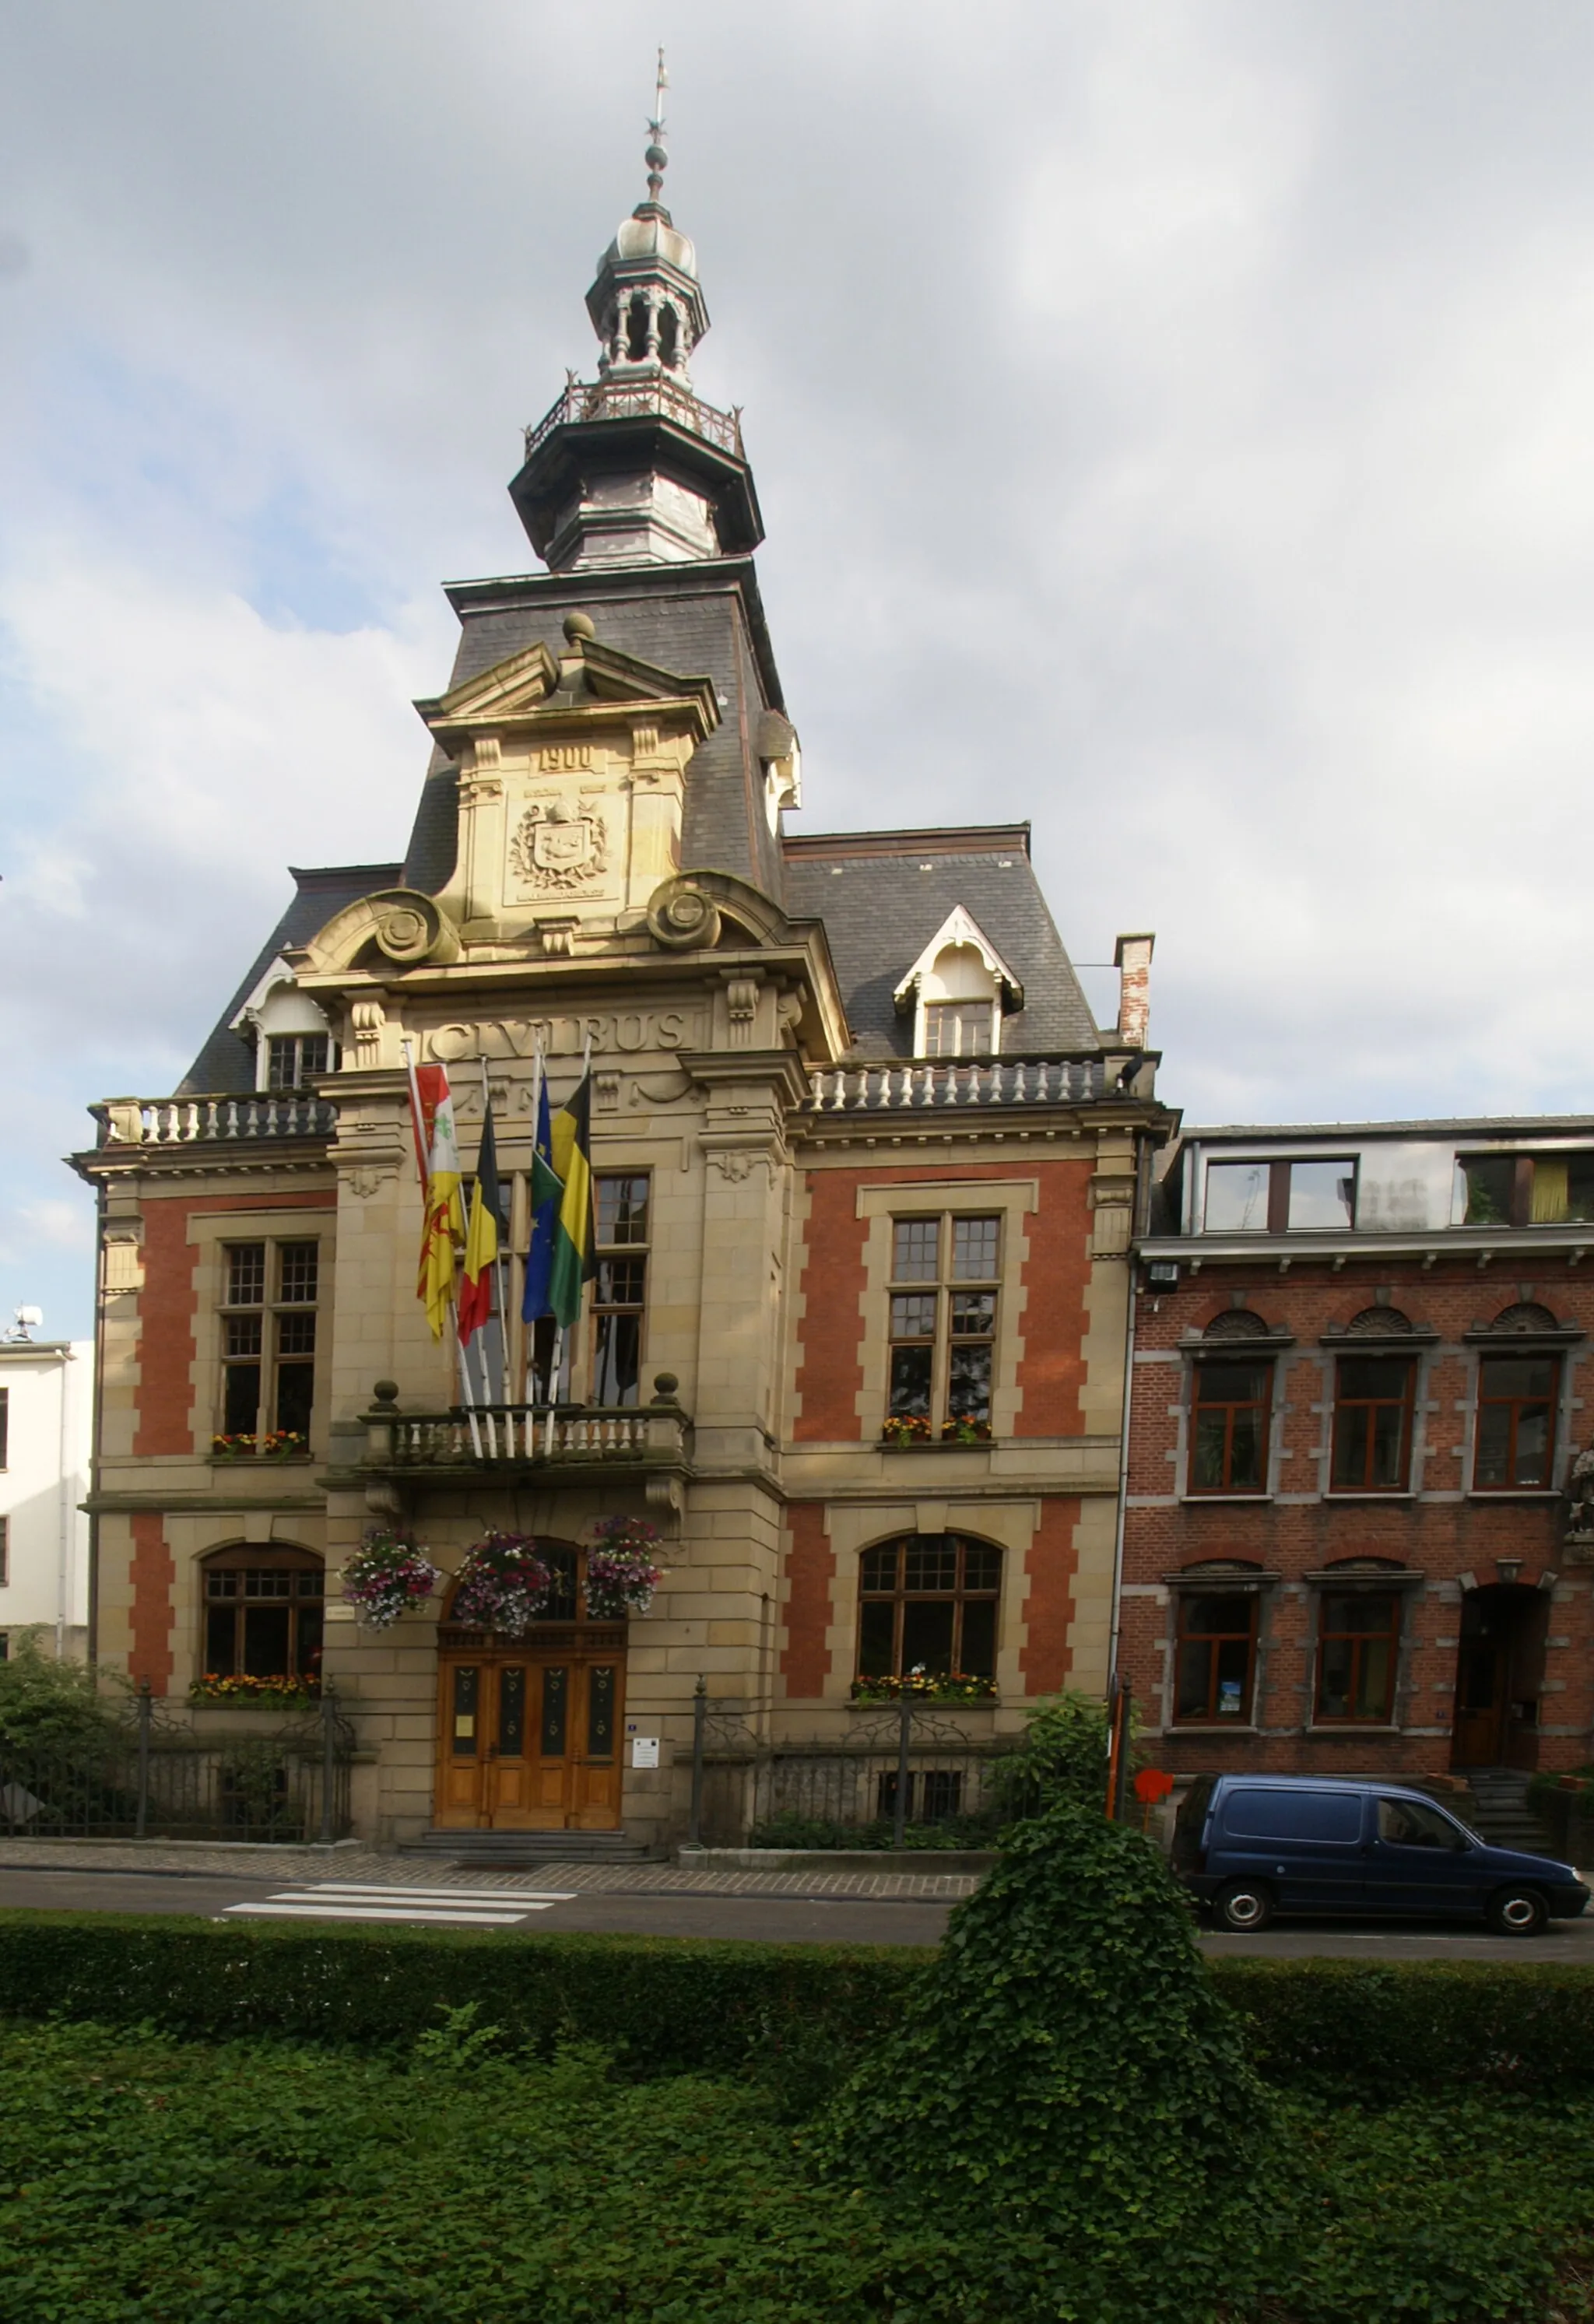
x=329 y=1757
x=699 y=1733
x=146 y=1709
x=903 y=1738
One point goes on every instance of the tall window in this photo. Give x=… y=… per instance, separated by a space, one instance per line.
x=1358 y=1638
x=294 y=1060
x=263 y=1614
x=1373 y=1424
x=958 y=1028
x=621 y=1293
x=269 y=1339
x=4 y=1427
x=1516 y=1422
x=1216 y=1657
x=944 y=1274
x=928 y=1603
x=1229 y=1427
x=5 y=1551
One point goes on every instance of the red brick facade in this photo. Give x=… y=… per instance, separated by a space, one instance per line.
x=1453 y=1556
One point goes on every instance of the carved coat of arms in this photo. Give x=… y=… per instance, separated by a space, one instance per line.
x=559 y=847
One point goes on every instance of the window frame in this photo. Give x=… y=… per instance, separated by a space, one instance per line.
x=1278 y=1175
x=608 y=1313
x=4 y=1425
x=1513 y=1483
x=1189 y=1594
x=244 y=1558
x=271 y=1359
x=1344 y=1404
x=941 y=1290
x=957 y=1013
x=1232 y=1357
x=1358 y=1640
x=961 y=1595
x=303 y=1075
x=5 y=1552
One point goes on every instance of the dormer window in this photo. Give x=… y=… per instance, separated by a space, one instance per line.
x=293 y=1044
x=958 y=989
x=294 y=1060
x=960 y=1029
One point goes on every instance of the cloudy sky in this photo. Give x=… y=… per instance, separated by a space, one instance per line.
x=1173 y=424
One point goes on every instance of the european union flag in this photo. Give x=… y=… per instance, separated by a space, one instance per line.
x=547 y=1190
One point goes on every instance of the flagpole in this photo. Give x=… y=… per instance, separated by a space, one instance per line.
x=498 y=1269
x=552 y=1386
x=528 y=1324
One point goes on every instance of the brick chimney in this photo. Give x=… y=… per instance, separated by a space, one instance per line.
x=1131 y=957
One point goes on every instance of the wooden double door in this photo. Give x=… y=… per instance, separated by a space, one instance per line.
x=529 y=1736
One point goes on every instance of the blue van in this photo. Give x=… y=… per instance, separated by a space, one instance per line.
x=1251 y=1846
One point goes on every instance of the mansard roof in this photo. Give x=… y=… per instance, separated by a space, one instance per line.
x=882 y=895
x=706 y=618
x=226 y=1061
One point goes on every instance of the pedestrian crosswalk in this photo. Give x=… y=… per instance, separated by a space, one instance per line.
x=349 y=1900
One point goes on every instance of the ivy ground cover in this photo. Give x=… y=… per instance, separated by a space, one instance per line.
x=147 y=2177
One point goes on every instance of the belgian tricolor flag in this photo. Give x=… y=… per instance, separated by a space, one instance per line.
x=575 y=1256
x=481 y=1241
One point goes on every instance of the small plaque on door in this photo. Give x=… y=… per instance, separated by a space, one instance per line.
x=644 y=1750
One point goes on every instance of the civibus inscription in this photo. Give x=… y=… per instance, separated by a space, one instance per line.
x=628 y=1031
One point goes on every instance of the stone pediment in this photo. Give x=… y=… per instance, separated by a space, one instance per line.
x=582 y=688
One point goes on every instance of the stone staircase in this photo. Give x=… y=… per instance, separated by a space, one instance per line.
x=1500 y=1812
x=511 y=1851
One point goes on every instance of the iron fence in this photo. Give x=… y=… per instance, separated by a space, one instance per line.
x=150 y=1778
x=905 y=1772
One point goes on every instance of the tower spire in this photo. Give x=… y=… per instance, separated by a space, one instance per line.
x=655 y=157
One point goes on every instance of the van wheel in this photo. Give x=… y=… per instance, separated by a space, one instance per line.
x=1517 y=1913
x=1243 y=1906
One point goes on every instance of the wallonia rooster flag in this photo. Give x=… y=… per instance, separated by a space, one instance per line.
x=445 y=1212
x=481 y=1241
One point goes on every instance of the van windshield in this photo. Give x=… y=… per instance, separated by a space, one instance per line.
x=1411 y=1823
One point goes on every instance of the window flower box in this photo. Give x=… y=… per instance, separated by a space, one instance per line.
x=924 y=1686
x=276 y=1444
x=901 y=1433
x=278 y=1693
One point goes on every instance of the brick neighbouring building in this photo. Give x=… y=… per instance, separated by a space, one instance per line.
x=865 y=1163
x=1359 y=1366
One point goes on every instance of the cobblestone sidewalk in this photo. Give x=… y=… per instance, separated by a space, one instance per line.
x=240 y=1861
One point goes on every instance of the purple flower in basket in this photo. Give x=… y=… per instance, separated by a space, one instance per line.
x=621 y=1572
x=503 y=1584
x=388 y=1573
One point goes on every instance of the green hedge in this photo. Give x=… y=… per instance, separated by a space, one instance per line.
x=669 y=2005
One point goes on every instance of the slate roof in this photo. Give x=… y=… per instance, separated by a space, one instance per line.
x=882 y=895
x=695 y=620
x=226 y=1061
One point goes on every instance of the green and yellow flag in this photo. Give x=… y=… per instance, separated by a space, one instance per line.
x=575 y=1255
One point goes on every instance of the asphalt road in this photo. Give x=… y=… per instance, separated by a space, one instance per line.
x=781 y=1920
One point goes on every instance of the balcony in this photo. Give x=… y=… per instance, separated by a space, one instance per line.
x=221 y=1121
x=659 y=398
x=511 y=1439
x=923 y=1085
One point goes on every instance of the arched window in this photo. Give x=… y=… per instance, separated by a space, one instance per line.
x=636 y=337
x=928 y=1603
x=263 y=1613
x=1231 y=1408
x=669 y=336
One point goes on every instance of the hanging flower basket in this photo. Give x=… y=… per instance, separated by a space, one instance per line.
x=387 y=1574
x=621 y=1574
x=503 y=1585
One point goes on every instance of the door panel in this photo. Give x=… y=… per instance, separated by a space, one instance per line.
x=1481 y=1706
x=529 y=1742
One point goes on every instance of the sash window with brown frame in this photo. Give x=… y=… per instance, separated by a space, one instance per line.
x=1517 y=1397
x=1373 y=1402
x=620 y=1294
x=263 y=1614
x=1359 y=1638
x=268 y=1327
x=928 y=1603
x=1216 y=1665
x=946 y=1272
x=294 y=1060
x=1231 y=1402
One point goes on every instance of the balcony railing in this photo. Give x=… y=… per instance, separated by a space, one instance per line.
x=189 y=1121
x=639 y=398
x=500 y=1434
x=934 y=1084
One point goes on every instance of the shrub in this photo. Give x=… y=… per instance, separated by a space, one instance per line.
x=1063 y=1756
x=1064 y=2079
x=792 y=1830
x=52 y=1705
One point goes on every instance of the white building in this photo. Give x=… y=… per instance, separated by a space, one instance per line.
x=46 y=1414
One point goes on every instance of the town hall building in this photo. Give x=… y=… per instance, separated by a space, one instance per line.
x=866 y=1174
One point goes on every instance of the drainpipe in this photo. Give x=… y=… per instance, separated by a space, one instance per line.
x=1142 y=1148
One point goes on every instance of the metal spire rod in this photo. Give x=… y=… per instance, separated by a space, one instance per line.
x=658 y=160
